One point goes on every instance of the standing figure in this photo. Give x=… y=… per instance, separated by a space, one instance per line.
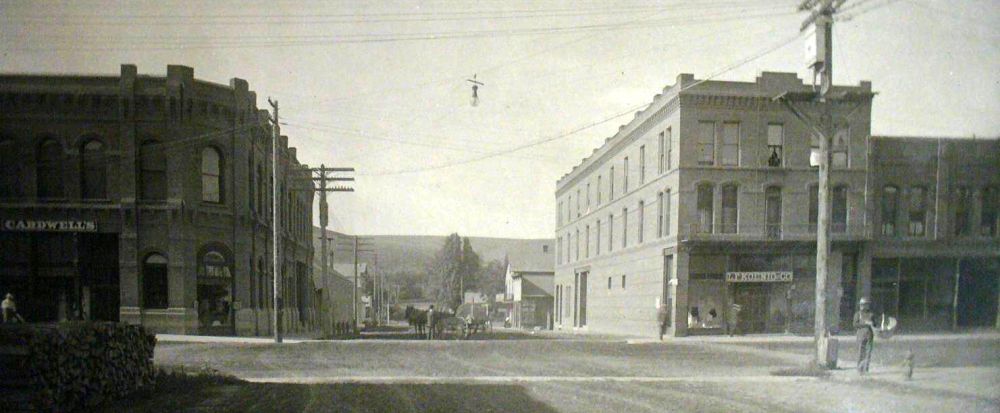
x=864 y=324
x=430 y=323
x=10 y=314
x=734 y=318
x=663 y=316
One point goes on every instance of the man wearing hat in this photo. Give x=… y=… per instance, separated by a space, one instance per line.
x=10 y=310
x=865 y=325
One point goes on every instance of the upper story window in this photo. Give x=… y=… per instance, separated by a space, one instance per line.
x=642 y=164
x=838 y=218
x=588 y=197
x=664 y=151
x=625 y=172
x=706 y=143
x=10 y=185
x=775 y=144
x=666 y=213
x=730 y=208
x=577 y=245
x=989 y=222
x=586 y=242
x=963 y=211
x=839 y=148
x=211 y=175
x=624 y=227
x=597 y=238
x=611 y=184
x=611 y=232
x=93 y=180
x=918 y=211
x=772 y=212
x=49 y=169
x=642 y=219
x=890 y=210
x=578 y=210
x=669 y=145
x=599 y=190
x=559 y=214
x=706 y=211
x=153 y=171
x=659 y=214
x=559 y=250
x=731 y=143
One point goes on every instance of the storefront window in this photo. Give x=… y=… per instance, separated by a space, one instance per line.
x=214 y=291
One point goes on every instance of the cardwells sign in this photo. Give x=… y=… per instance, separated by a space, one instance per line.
x=49 y=226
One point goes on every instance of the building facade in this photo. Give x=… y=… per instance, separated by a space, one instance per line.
x=147 y=199
x=707 y=202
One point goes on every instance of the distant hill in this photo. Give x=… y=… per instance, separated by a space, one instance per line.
x=398 y=253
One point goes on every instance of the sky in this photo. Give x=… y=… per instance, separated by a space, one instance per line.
x=381 y=86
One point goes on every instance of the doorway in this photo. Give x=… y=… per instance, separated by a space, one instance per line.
x=753 y=302
x=977 y=292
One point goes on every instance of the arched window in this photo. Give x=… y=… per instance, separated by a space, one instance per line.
x=890 y=210
x=772 y=212
x=730 y=208
x=10 y=186
x=214 y=289
x=48 y=166
x=154 y=281
x=838 y=218
x=153 y=171
x=211 y=175
x=706 y=209
x=92 y=170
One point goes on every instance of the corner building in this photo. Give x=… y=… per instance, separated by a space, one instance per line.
x=147 y=199
x=707 y=201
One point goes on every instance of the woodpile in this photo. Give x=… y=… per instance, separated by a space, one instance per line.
x=69 y=366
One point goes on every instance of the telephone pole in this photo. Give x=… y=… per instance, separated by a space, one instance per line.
x=824 y=102
x=358 y=248
x=276 y=133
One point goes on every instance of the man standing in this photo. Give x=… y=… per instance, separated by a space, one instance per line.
x=10 y=314
x=864 y=324
x=430 y=323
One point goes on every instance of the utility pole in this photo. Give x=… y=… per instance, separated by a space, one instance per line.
x=276 y=133
x=819 y=52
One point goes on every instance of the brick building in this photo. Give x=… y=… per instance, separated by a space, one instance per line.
x=147 y=199
x=707 y=198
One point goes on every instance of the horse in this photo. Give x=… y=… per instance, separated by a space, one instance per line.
x=416 y=319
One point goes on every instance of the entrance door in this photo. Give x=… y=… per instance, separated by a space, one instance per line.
x=977 y=292
x=583 y=299
x=753 y=300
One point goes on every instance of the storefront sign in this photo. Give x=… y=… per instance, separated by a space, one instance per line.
x=759 y=276
x=49 y=226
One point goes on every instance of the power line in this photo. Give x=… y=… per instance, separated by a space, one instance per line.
x=588 y=126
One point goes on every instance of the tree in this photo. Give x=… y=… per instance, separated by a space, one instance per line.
x=454 y=269
x=491 y=278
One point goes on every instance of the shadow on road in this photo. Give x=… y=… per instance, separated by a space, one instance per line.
x=266 y=397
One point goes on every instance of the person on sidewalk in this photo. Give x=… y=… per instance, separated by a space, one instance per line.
x=864 y=324
x=430 y=323
x=10 y=314
x=663 y=316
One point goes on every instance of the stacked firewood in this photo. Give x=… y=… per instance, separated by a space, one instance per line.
x=81 y=364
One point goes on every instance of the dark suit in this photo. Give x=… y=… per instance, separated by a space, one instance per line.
x=865 y=326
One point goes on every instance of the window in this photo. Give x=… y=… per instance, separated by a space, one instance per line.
x=814 y=154
x=731 y=143
x=625 y=172
x=609 y=283
x=659 y=214
x=963 y=211
x=813 y=207
x=577 y=245
x=611 y=184
x=705 y=209
x=588 y=196
x=599 y=190
x=730 y=208
x=838 y=150
x=706 y=143
x=48 y=169
x=989 y=221
x=775 y=141
x=559 y=250
x=642 y=164
x=586 y=242
x=772 y=212
x=668 y=143
x=666 y=212
x=93 y=182
x=642 y=219
x=624 y=227
x=154 y=281
x=559 y=214
x=569 y=208
x=623 y=281
x=611 y=232
x=890 y=210
x=153 y=171
x=569 y=246
x=260 y=190
x=10 y=185
x=918 y=211
x=838 y=220
x=597 y=239
x=660 y=152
